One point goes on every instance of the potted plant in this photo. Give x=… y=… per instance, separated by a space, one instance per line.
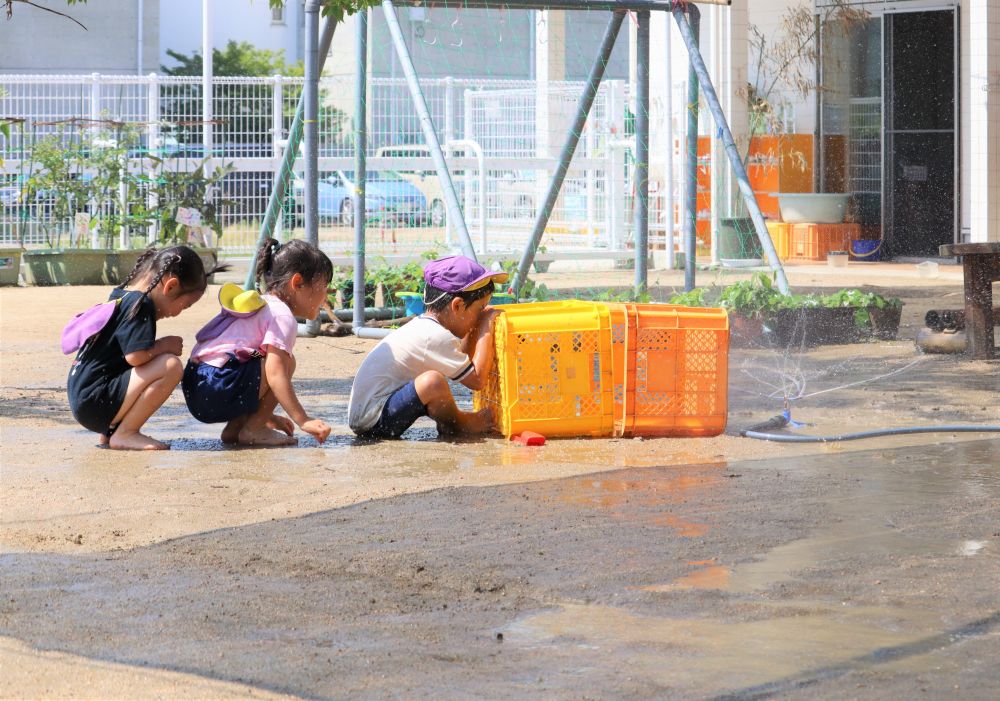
x=58 y=189
x=396 y=279
x=187 y=206
x=874 y=316
x=750 y=303
x=10 y=257
x=341 y=290
x=121 y=217
x=81 y=191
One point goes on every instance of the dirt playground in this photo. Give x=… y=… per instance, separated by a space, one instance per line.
x=720 y=568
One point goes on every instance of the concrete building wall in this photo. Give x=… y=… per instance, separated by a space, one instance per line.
x=35 y=41
x=489 y=43
x=232 y=20
x=983 y=167
x=767 y=16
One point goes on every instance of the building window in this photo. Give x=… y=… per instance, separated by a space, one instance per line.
x=278 y=15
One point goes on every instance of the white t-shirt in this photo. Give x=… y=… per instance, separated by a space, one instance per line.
x=421 y=345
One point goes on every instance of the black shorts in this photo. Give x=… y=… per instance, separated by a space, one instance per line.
x=218 y=395
x=95 y=406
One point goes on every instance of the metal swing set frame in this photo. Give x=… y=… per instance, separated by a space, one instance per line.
x=305 y=127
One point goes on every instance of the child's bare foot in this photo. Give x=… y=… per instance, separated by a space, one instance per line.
x=135 y=441
x=281 y=423
x=231 y=433
x=264 y=437
x=468 y=422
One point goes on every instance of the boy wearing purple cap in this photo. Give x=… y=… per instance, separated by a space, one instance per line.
x=406 y=375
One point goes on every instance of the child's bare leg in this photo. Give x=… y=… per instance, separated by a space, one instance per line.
x=148 y=388
x=103 y=439
x=231 y=433
x=259 y=427
x=434 y=392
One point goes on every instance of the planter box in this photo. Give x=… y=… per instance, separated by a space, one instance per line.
x=812 y=326
x=10 y=265
x=745 y=332
x=124 y=261
x=69 y=267
x=885 y=322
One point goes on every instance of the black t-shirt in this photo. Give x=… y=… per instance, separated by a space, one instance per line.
x=100 y=364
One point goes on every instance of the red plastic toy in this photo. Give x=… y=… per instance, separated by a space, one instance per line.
x=529 y=438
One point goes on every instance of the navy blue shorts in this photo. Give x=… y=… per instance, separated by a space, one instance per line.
x=400 y=411
x=217 y=395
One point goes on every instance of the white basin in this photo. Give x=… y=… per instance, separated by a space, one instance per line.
x=812 y=207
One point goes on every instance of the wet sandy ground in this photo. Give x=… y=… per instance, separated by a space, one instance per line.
x=583 y=569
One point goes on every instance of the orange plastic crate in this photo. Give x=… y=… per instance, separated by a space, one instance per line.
x=815 y=241
x=670 y=370
x=593 y=369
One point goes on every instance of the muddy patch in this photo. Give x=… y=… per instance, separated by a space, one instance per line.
x=802 y=577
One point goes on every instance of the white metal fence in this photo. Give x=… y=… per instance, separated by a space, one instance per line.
x=519 y=128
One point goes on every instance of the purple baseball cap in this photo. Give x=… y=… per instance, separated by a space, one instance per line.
x=460 y=274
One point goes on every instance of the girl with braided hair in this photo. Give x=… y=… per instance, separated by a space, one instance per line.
x=241 y=368
x=123 y=373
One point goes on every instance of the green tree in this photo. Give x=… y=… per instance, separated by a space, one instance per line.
x=335 y=8
x=238 y=58
x=245 y=104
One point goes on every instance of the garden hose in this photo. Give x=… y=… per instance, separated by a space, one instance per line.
x=759 y=431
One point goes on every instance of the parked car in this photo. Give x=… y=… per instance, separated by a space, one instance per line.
x=511 y=194
x=387 y=196
x=426 y=181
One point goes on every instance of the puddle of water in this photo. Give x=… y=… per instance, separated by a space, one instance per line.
x=972 y=547
x=710 y=577
x=657 y=492
x=710 y=655
x=862 y=520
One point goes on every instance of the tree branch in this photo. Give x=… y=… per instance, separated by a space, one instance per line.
x=10 y=11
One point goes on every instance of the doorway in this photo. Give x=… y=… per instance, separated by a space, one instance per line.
x=920 y=197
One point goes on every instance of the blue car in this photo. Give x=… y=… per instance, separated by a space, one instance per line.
x=387 y=197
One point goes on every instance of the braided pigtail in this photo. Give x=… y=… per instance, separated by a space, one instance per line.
x=142 y=264
x=265 y=263
x=166 y=262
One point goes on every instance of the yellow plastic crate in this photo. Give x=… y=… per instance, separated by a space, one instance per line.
x=553 y=372
x=591 y=369
x=779 y=232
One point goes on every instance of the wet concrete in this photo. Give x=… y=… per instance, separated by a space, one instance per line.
x=840 y=576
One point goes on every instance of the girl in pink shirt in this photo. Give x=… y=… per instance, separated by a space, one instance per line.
x=242 y=365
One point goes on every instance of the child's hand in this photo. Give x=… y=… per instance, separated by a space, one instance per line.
x=316 y=428
x=171 y=344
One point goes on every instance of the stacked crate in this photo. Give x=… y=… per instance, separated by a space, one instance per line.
x=814 y=241
x=593 y=369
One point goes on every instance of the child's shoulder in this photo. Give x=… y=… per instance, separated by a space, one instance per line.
x=276 y=307
x=422 y=327
x=132 y=299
